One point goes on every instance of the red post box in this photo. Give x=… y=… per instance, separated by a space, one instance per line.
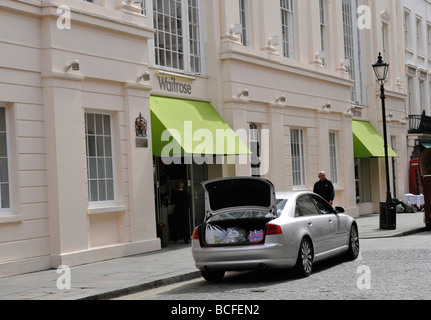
x=415 y=177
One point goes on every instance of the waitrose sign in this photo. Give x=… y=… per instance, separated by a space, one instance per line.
x=170 y=84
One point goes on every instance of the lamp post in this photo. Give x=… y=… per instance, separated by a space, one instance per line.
x=387 y=210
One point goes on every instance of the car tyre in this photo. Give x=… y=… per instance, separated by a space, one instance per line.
x=353 y=251
x=213 y=275
x=304 y=262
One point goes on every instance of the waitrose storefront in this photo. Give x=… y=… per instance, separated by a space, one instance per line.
x=191 y=143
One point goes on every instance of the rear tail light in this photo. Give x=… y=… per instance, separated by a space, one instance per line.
x=273 y=229
x=195 y=235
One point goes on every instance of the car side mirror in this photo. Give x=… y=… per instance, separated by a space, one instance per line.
x=339 y=210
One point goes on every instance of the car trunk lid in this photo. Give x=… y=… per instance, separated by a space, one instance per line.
x=226 y=194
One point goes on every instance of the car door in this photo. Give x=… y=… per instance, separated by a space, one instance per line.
x=310 y=218
x=337 y=232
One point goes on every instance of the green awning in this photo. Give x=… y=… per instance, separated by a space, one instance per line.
x=367 y=142
x=186 y=127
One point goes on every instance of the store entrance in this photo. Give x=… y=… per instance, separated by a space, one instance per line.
x=166 y=178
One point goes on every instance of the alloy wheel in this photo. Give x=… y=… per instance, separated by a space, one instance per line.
x=307 y=257
x=354 y=241
x=353 y=251
x=304 y=261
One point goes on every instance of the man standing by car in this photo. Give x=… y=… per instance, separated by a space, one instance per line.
x=324 y=188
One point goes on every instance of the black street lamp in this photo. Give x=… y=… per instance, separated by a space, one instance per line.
x=387 y=209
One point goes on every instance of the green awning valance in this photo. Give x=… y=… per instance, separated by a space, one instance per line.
x=367 y=142
x=191 y=127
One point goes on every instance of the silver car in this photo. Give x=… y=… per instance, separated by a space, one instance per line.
x=248 y=226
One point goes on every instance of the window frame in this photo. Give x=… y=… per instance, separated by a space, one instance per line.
x=406 y=29
x=7 y=210
x=185 y=25
x=287 y=9
x=323 y=30
x=333 y=156
x=107 y=202
x=410 y=95
x=422 y=94
x=244 y=18
x=141 y=4
x=385 y=43
x=428 y=40
x=419 y=36
x=353 y=50
x=255 y=143
x=301 y=171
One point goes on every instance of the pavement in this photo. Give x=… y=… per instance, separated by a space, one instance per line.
x=173 y=264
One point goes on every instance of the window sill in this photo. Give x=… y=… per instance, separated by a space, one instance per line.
x=12 y=218
x=107 y=209
x=421 y=56
x=300 y=188
x=408 y=50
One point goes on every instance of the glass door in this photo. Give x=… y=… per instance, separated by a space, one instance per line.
x=196 y=175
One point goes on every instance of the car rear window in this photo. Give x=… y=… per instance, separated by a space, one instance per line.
x=237 y=193
x=247 y=214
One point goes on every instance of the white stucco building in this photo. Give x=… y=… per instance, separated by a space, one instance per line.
x=290 y=78
x=417 y=53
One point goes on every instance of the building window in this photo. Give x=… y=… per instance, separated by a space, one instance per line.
x=419 y=37
x=194 y=37
x=422 y=94
x=298 y=157
x=406 y=27
x=429 y=41
x=323 y=33
x=100 y=169
x=141 y=4
x=177 y=41
x=245 y=22
x=288 y=30
x=333 y=156
x=4 y=162
x=385 y=42
x=411 y=92
x=353 y=51
x=255 y=150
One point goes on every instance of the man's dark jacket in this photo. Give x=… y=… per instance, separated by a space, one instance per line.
x=325 y=189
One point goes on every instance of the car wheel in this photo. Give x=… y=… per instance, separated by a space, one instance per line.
x=304 y=262
x=353 y=251
x=213 y=276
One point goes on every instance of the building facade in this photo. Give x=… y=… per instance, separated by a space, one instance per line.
x=90 y=155
x=75 y=189
x=417 y=52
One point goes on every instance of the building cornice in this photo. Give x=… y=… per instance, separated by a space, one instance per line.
x=280 y=64
x=114 y=21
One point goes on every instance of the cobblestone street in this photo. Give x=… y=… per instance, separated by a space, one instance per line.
x=393 y=268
